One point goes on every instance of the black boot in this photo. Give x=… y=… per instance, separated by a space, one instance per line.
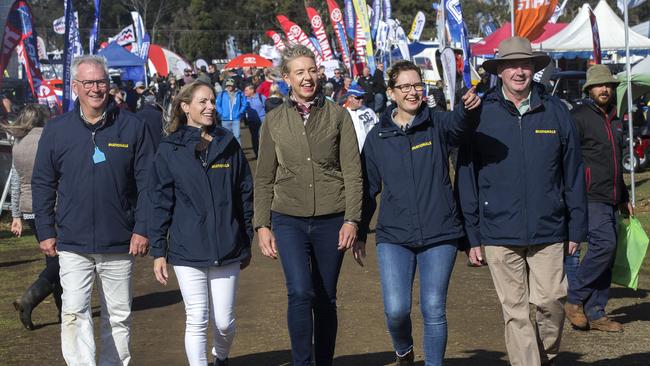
x=33 y=296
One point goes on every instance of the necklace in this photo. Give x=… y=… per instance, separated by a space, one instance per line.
x=204 y=161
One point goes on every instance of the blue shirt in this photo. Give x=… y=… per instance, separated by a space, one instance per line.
x=255 y=110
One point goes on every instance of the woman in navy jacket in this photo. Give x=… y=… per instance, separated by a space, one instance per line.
x=200 y=219
x=406 y=158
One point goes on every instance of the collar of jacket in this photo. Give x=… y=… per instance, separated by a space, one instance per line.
x=537 y=97
x=112 y=112
x=387 y=128
x=187 y=136
x=320 y=102
x=610 y=114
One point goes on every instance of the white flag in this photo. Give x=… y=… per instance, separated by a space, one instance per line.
x=126 y=36
x=559 y=10
x=417 y=27
x=630 y=3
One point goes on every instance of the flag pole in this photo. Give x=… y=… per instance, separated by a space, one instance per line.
x=628 y=74
x=512 y=18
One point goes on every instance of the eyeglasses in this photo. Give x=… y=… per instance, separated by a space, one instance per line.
x=405 y=88
x=88 y=84
x=357 y=98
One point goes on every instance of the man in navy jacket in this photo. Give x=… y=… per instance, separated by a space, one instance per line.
x=89 y=199
x=522 y=193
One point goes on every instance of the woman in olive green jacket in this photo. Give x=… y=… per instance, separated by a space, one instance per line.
x=308 y=193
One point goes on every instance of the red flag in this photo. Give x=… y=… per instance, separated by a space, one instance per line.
x=339 y=28
x=277 y=40
x=596 y=36
x=359 y=49
x=319 y=31
x=294 y=32
x=531 y=16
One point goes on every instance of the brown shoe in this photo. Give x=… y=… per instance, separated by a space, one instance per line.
x=406 y=360
x=576 y=315
x=606 y=325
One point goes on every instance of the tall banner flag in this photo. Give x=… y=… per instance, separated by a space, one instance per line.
x=448 y=61
x=144 y=49
x=350 y=19
x=361 y=9
x=359 y=50
x=402 y=41
x=417 y=27
x=376 y=17
x=630 y=4
x=13 y=34
x=532 y=16
x=290 y=37
x=71 y=50
x=388 y=12
x=95 y=31
x=126 y=36
x=559 y=10
x=277 y=40
x=458 y=34
x=138 y=25
x=381 y=40
x=596 y=36
x=319 y=31
x=294 y=32
x=339 y=28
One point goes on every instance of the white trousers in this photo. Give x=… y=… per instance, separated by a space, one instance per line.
x=78 y=273
x=203 y=288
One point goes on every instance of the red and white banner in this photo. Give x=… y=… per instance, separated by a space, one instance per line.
x=339 y=28
x=126 y=36
x=319 y=31
x=277 y=40
x=294 y=32
x=596 y=36
x=359 y=49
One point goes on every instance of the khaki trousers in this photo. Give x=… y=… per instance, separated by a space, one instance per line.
x=530 y=275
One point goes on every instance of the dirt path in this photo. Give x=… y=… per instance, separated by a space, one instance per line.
x=474 y=314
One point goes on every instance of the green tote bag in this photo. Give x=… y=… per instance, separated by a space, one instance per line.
x=630 y=252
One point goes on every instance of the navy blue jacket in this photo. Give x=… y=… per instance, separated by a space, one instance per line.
x=153 y=117
x=206 y=211
x=521 y=178
x=411 y=170
x=98 y=205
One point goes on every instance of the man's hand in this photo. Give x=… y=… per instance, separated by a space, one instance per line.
x=266 y=241
x=572 y=247
x=139 y=245
x=471 y=100
x=359 y=251
x=475 y=256
x=160 y=270
x=48 y=247
x=626 y=209
x=347 y=236
x=17 y=226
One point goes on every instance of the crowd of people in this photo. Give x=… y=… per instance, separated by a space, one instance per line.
x=101 y=185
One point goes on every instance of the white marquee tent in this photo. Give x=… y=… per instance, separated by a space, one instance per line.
x=575 y=40
x=642 y=28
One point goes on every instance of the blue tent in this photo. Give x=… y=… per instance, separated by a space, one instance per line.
x=130 y=65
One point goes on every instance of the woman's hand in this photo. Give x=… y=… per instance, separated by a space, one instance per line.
x=347 y=236
x=160 y=270
x=471 y=100
x=17 y=226
x=266 y=241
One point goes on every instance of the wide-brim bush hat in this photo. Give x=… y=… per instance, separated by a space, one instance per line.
x=516 y=48
x=598 y=75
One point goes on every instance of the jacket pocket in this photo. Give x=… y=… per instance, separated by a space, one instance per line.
x=283 y=174
x=336 y=174
x=588 y=178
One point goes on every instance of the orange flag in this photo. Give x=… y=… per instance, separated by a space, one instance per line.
x=531 y=16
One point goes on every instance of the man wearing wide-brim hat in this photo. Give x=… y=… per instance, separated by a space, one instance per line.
x=522 y=192
x=601 y=141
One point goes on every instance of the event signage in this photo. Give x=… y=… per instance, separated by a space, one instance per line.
x=319 y=31
x=277 y=40
x=93 y=33
x=417 y=27
x=387 y=10
x=138 y=26
x=595 y=36
x=458 y=35
x=126 y=36
x=376 y=17
x=448 y=61
x=71 y=50
x=339 y=28
x=531 y=16
x=361 y=10
x=350 y=19
x=293 y=31
x=359 y=50
x=59 y=25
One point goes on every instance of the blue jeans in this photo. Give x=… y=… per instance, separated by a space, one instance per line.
x=233 y=126
x=594 y=276
x=254 y=126
x=571 y=265
x=311 y=262
x=397 y=266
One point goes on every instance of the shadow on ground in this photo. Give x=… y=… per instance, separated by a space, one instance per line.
x=156 y=300
x=18 y=262
x=630 y=313
x=636 y=359
x=624 y=292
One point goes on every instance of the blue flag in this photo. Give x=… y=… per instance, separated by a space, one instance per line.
x=93 y=34
x=458 y=34
x=71 y=50
x=350 y=19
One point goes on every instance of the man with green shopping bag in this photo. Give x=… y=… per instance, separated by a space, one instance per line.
x=601 y=140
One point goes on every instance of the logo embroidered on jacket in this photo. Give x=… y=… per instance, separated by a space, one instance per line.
x=546 y=132
x=220 y=166
x=115 y=144
x=419 y=146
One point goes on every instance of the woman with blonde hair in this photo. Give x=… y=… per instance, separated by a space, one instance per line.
x=308 y=192
x=27 y=131
x=200 y=219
